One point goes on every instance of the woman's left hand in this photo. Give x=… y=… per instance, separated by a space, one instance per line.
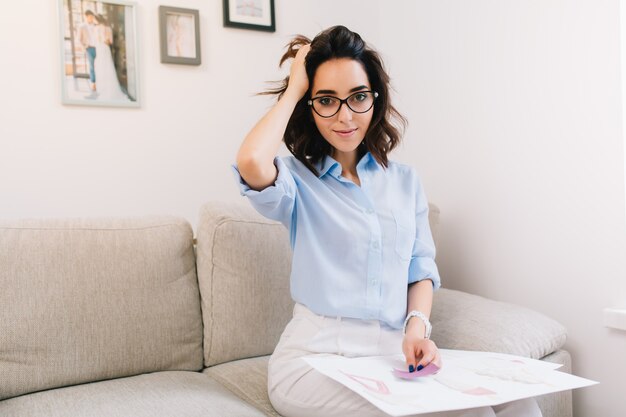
x=419 y=352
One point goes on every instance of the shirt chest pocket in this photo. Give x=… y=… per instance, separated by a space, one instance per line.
x=405 y=233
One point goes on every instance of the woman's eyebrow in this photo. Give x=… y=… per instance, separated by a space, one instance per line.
x=361 y=87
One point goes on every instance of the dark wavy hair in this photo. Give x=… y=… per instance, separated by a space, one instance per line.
x=302 y=137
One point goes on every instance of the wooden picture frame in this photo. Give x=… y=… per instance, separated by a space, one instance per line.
x=179 y=34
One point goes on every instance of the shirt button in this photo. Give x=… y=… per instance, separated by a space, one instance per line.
x=374 y=282
x=375 y=245
x=369 y=211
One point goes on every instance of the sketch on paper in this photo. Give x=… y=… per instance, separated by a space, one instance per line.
x=466 y=380
x=379 y=386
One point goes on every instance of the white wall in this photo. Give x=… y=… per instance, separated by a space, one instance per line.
x=515 y=127
x=170 y=156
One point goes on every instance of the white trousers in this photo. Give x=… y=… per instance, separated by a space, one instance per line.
x=297 y=390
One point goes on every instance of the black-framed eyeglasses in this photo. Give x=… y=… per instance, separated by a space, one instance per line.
x=328 y=106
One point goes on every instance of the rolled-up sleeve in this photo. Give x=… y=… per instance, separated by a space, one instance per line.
x=276 y=201
x=423 y=264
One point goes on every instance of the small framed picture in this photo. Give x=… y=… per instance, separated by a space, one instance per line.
x=180 y=35
x=99 y=53
x=250 y=14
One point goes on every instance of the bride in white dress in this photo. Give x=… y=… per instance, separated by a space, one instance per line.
x=106 y=77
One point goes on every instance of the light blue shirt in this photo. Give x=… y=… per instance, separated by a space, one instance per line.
x=355 y=249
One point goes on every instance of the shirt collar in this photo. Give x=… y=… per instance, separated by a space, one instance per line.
x=329 y=165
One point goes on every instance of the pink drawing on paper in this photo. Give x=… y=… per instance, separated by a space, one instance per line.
x=380 y=387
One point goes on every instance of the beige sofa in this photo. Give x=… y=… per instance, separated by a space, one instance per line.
x=125 y=317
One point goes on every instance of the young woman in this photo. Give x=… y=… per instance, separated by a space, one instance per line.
x=363 y=269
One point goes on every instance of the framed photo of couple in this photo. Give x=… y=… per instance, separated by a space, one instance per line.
x=99 y=63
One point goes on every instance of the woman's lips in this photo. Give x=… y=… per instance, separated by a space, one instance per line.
x=345 y=133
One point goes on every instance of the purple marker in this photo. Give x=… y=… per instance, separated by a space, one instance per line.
x=429 y=369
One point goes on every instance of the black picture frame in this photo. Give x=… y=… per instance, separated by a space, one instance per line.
x=254 y=15
x=188 y=52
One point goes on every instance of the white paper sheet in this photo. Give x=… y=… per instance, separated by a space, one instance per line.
x=467 y=380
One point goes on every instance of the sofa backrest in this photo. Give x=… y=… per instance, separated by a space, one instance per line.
x=244 y=262
x=89 y=299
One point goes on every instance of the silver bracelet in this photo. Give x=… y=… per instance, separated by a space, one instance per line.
x=421 y=316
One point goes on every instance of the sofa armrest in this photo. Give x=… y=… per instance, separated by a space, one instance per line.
x=469 y=322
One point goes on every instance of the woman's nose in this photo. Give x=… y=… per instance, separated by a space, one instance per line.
x=345 y=114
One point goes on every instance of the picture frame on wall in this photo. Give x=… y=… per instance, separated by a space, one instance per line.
x=250 y=14
x=99 y=53
x=179 y=33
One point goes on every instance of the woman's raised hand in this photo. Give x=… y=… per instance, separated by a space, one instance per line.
x=419 y=352
x=298 y=79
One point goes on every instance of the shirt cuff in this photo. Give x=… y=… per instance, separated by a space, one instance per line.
x=424 y=268
x=283 y=186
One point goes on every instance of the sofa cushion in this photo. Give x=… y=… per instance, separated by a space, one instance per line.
x=160 y=394
x=90 y=299
x=246 y=378
x=243 y=263
x=469 y=322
